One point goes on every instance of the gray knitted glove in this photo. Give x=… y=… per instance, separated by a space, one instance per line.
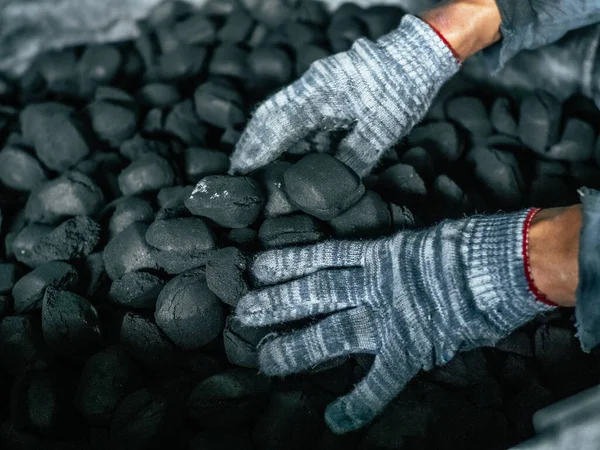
x=379 y=89
x=414 y=300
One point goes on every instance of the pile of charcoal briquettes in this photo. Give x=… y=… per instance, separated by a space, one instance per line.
x=119 y=277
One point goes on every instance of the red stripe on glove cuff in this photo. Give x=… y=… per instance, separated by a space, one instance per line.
x=444 y=40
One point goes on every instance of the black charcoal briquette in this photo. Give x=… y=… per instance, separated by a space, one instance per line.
x=502 y=117
x=439 y=138
x=57 y=68
x=197 y=29
x=114 y=95
x=381 y=19
x=105 y=380
x=129 y=210
x=159 y=95
x=146 y=174
x=369 y=217
x=139 y=146
x=487 y=393
x=271 y=12
x=180 y=244
x=175 y=208
x=270 y=67
x=465 y=369
x=295 y=229
x=136 y=290
x=228 y=399
x=259 y=33
x=232 y=202
x=220 y=8
x=93 y=274
x=344 y=30
x=471 y=114
x=449 y=198
x=112 y=122
x=70 y=324
x=182 y=63
x=219 y=105
x=322 y=186
x=311 y=12
x=278 y=203
x=517 y=342
x=400 y=420
x=241 y=343
x=188 y=312
x=576 y=144
x=237 y=27
x=539 y=117
x=128 y=251
x=402 y=184
x=9 y=274
x=221 y=440
x=166 y=195
x=421 y=160
x=19 y=169
x=225 y=275
x=29 y=291
x=201 y=162
x=72 y=194
x=229 y=60
x=168 y=12
x=308 y=54
x=22 y=243
x=183 y=123
x=243 y=238
x=22 y=345
x=98 y=65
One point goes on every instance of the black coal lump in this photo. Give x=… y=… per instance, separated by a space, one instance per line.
x=197 y=29
x=146 y=343
x=294 y=35
x=146 y=174
x=183 y=123
x=221 y=440
x=128 y=251
x=465 y=369
x=22 y=345
x=522 y=406
x=517 y=342
x=159 y=95
x=449 y=198
x=231 y=202
x=219 y=105
x=129 y=210
x=271 y=177
x=400 y=420
x=168 y=194
x=201 y=162
x=19 y=169
x=139 y=146
x=168 y=12
x=311 y=12
x=99 y=64
x=136 y=290
x=182 y=63
x=70 y=324
x=225 y=275
x=20 y=244
x=369 y=217
x=502 y=117
x=237 y=27
x=421 y=160
x=175 y=208
x=71 y=194
x=270 y=66
x=57 y=68
x=228 y=399
x=229 y=60
x=9 y=274
x=344 y=30
x=291 y=420
x=154 y=121
x=112 y=122
x=471 y=114
x=576 y=143
x=539 y=118
x=55 y=134
x=105 y=380
x=381 y=19
x=5 y=305
x=165 y=38
x=308 y=54
x=188 y=312
x=241 y=342
x=114 y=95
x=180 y=244
x=93 y=274
x=243 y=238
x=402 y=184
x=272 y=12
x=75 y=238
x=29 y=291
x=322 y=186
x=294 y=229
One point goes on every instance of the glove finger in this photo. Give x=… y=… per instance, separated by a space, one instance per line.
x=363 y=147
x=340 y=334
x=319 y=293
x=276 y=266
x=370 y=396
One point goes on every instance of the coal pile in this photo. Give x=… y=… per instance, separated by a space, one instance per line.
x=125 y=243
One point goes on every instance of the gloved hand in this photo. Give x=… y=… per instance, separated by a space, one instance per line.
x=414 y=300
x=378 y=89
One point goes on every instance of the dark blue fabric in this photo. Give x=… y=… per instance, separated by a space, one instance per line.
x=587 y=311
x=529 y=24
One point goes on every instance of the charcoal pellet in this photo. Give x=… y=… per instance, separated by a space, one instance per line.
x=278 y=203
x=70 y=324
x=471 y=114
x=219 y=105
x=166 y=13
x=197 y=29
x=146 y=174
x=183 y=123
x=98 y=65
x=182 y=63
x=114 y=95
x=106 y=378
x=128 y=251
x=175 y=208
x=22 y=345
x=72 y=194
x=403 y=419
x=55 y=135
x=112 y=122
x=271 y=12
x=9 y=274
x=129 y=210
x=225 y=275
x=309 y=186
x=220 y=8
x=258 y=35
x=450 y=199
x=19 y=169
x=308 y=54
x=381 y=19
x=136 y=290
x=465 y=369
x=521 y=407
x=311 y=12
x=231 y=202
x=168 y=194
x=180 y=244
x=23 y=243
x=438 y=138
x=58 y=68
x=487 y=393
x=166 y=39
x=93 y=274
x=229 y=61
x=237 y=27
x=517 y=342
x=369 y=217
x=539 y=117
x=421 y=160
x=294 y=229
x=221 y=440
x=241 y=343
x=29 y=291
x=556 y=349
x=139 y=146
x=272 y=66
x=146 y=343
x=402 y=218
x=243 y=238
x=576 y=144
x=204 y=318
x=502 y=117
x=160 y=95
x=345 y=29
x=228 y=399
x=201 y=162
x=402 y=184
x=5 y=305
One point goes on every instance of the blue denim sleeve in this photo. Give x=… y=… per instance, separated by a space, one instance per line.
x=529 y=24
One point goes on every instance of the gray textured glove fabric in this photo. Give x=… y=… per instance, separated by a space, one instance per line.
x=379 y=90
x=414 y=300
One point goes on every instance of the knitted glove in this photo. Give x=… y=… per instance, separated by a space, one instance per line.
x=379 y=89
x=414 y=300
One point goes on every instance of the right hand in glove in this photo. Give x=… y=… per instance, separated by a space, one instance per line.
x=377 y=90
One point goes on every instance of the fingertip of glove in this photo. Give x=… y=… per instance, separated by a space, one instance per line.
x=338 y=420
